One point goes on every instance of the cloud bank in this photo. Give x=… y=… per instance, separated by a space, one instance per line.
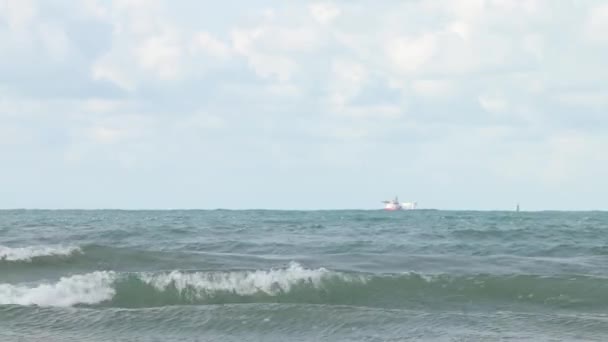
x=340 y=104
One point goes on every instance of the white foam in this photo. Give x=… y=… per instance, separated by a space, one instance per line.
x=100 y=286
x=29 y=252
x=90 y=288
x=271 y=282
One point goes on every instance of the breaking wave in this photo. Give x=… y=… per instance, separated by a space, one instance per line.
x=296 y=284
x=30 y=253
x=153 y=289
x=90 y=288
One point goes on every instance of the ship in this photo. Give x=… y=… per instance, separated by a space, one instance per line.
x=394 y=204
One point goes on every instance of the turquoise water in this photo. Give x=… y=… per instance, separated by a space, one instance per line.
x=303 y=276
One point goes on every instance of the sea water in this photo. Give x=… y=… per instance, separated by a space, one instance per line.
x=261 y=275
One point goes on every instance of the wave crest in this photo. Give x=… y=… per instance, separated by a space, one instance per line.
x=154 y=289
x=90 y=288
x=270 y=282
x=296 y=284
x=27 y=254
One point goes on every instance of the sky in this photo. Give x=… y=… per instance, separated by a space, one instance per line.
x=156 y=104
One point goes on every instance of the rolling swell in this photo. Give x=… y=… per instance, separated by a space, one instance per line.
x=296 y=284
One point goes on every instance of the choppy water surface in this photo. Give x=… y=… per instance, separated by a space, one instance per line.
x=303 y=276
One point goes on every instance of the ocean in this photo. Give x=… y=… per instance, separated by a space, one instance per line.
x=263 y=275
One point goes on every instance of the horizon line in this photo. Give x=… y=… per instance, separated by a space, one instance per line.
x=302 y=210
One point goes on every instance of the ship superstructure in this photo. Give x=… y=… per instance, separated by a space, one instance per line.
x=394 y=204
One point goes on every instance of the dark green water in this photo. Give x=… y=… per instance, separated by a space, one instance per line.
x=303 y=276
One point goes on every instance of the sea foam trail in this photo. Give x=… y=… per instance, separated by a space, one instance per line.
x=31 y=252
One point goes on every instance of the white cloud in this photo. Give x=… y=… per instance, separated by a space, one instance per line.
x=432 y=88
x=350 y=133
x=136 y=83
x=210 y=45
x=95 y=8
x=106 y=135
x=101 y=105
x=462 y=29
x=161 y=54
x=202 y=121
x=533 y=44
x=468 y=10
x=493 y=103
x=592 y=99
x=11 y=135
x=270 y=66
x=265 y=65
x=106 y=69
x=597 y=24
x=377 y=112
x=410 y=54
x=242 y=40
x=20 y=14
x=348 y=78
x=272 y=51
x=149 y=47
x=56 y=41
x=324 y=12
